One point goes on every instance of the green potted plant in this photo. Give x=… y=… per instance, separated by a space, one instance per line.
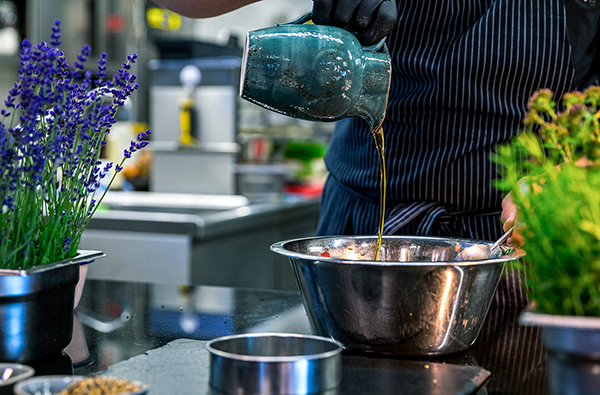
x=52 y=129
x=305 y=154
x=553 y=172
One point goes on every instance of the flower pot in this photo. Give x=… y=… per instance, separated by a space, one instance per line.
x=36 y=308
x=573 y=346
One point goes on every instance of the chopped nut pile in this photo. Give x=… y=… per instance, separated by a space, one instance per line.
x=100 y=385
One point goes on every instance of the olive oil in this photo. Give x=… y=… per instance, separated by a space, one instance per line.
x=380 y=146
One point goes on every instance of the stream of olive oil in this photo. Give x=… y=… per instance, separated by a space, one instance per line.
x=379 y=144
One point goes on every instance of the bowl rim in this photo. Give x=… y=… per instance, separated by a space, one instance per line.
x=74 y=378
x=338 y=347
x=279 y=248
x=27 y=371
x=19 y=386
x=83 y=257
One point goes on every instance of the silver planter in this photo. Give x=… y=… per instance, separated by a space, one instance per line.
x=573 y=346
x=415 y=301
x=36 y=308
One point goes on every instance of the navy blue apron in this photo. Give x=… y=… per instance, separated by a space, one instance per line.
x=462 y=74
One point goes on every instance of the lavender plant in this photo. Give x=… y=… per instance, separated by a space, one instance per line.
x=52 y=130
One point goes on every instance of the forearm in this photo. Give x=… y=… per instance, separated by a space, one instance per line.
x=203 y=8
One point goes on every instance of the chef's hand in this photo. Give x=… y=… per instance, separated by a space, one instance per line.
x=369 y=20
x=509 y=219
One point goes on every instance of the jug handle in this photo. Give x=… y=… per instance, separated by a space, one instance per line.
x=307 y=16
x=380 y=46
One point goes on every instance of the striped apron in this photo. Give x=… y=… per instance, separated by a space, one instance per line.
x=462 y=73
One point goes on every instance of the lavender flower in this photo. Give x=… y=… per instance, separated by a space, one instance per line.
x=53 y=126
x=55 y=36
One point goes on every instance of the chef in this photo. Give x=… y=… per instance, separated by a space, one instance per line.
x=461 y=77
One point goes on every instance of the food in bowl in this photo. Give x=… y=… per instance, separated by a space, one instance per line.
x=79 y=385
x=101 y=385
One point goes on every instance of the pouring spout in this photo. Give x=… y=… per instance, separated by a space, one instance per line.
x=372 y=101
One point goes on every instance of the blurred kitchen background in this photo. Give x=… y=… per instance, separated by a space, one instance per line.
x=222 y=179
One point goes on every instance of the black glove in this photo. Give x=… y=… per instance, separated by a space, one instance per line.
x=369 y=20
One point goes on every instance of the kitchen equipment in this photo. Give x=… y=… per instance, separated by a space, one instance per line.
x=274 y=363
x=36 y=308
x=206 y=163
x=415 y=301
x=315 y=72
x=141 y=231
x=482 y=251
x=54 y=384
x=190 y=77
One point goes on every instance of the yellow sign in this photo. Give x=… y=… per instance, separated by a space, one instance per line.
x=160 y=18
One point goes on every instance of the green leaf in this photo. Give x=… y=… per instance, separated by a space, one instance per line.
x=558 y=200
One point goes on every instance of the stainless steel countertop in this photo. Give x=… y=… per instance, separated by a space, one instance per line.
x=200 y=216
x=128 y=323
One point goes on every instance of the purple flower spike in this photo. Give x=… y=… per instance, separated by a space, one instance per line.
x=66 y=244
x=82 y=57
x=55 y=36
x=52 y=129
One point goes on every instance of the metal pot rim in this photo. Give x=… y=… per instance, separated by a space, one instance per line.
x=210 y=346
x=531 y=317
x=82 y=257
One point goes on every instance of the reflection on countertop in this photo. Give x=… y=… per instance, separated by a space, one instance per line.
x=121 y=320
x=117 y=321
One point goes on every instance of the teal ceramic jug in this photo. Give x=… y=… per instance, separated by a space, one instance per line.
x=315 y=72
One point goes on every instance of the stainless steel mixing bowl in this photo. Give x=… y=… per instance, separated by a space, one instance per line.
x=415 y=301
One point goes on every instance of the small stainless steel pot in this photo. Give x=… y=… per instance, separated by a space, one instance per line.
x=417 y=300
x=274 y=363
x=573 y=346
x=36 y=308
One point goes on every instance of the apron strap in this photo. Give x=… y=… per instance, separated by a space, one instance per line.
x=431 y=213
